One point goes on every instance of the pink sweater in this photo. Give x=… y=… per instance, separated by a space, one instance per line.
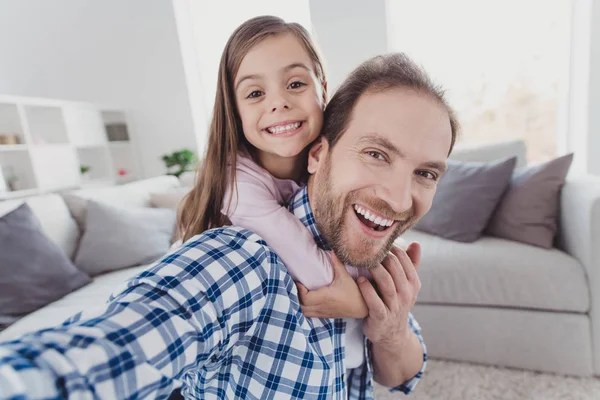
x=260 y=207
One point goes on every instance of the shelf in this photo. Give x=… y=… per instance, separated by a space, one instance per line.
x=19 y=193
x=13 y=147
x=10 y=122
x=98 y=159
x=119 y=143
x=123 y=160
x=46 y=124
x=97 y=183
x=18 y=166
x=115 y=125
x=90 y=146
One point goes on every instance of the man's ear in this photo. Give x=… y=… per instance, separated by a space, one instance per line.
x=316 y=154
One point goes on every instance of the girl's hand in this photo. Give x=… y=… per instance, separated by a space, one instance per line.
x=341 y=299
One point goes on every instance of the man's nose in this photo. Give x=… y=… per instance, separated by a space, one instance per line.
x=398 y=194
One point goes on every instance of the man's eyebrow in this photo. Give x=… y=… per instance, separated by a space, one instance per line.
x=441 y=166
x=377 y=139
x=285 y=69
x=374 y=138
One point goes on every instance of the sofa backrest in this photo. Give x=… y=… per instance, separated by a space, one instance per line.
x=58 y=213
x=491 y=152
x=135 y=194
x=54 y=216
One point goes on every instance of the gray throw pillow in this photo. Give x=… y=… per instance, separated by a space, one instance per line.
x=465 y=199
x=528 y=212
x=33 y=270
x=117 y=238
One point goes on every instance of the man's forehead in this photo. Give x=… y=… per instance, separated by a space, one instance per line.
x=402 y=119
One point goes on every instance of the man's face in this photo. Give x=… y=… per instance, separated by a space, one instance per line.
x=381 y=176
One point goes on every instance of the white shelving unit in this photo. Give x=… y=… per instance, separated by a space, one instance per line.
x=46 y=142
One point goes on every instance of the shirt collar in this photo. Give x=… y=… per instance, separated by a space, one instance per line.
x=300 y=207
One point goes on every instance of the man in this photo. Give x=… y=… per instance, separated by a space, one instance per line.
x=220 y=316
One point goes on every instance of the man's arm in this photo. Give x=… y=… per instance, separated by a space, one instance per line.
x=402 y=365
x=171 y=318
x=138 y=345
x=397 y=348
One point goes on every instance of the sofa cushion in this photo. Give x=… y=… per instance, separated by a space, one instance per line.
x=170 y=199
x=135 y=194
x=501 y=273
x=528 y=212
x=33 y=271
x=466 y=198
x=118 y=237
x=54 y=217
x=95 y=294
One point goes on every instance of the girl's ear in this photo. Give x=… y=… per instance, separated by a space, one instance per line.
x=317 y=154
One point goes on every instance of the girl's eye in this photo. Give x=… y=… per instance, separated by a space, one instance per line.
x=254 y=94
x=428 y=175
x=296 y=85
x=376 y=154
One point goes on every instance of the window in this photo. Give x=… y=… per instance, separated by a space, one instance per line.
x=504 y=64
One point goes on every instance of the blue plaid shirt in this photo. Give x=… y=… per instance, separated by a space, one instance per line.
x=219 y=318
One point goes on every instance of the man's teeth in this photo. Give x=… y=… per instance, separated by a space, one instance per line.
x=284 y=128
x=367 y=215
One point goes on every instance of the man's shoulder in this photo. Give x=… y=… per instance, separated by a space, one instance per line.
x=218 y=251
x=218 y=243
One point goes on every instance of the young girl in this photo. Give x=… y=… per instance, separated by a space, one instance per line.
x=271 y=93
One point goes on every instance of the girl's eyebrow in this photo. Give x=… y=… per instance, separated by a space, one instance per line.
x=296 y=65
x=285 y=69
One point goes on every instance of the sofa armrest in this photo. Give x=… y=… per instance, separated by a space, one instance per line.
x=579 y=224
x=579 y=236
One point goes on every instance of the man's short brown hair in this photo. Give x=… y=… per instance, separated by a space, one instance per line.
x=390 y=71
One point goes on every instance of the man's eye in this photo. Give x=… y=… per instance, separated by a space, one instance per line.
x=296 y=85
x=377 y=155
x=254 y=94
x=428 y=175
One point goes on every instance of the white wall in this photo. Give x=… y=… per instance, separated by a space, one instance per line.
x=348 y=33
x=114 y=52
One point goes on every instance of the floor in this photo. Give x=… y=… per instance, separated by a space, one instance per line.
x=460 y=381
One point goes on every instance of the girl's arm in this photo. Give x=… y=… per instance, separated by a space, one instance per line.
x=255 y=207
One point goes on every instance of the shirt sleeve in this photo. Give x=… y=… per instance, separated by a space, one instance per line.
x=255 y=207
x=409 y=386
x=169 y=320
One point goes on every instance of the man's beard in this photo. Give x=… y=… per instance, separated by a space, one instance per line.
x=330 y=211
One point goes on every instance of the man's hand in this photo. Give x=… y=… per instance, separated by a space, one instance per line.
x=398 y=284
x=341 y=299
x=397 y=353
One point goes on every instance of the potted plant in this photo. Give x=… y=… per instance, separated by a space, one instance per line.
x=184 y=160
x=85 y=172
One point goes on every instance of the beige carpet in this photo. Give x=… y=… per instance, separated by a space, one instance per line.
x=457 y=381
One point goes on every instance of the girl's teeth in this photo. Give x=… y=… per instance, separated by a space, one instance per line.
x=284 y=128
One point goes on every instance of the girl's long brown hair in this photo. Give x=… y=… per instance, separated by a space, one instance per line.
x=201 y=207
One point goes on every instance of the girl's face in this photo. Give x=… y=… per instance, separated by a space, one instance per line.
x=279 y=97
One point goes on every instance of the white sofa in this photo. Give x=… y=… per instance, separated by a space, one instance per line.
x=493 y=301
x=60 y=226
x=505 y=303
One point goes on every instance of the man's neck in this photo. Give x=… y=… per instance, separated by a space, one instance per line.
x=284 y=167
